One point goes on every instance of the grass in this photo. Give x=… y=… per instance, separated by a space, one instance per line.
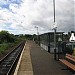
x=5 y=46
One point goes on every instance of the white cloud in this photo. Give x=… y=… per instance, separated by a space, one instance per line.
x=24 y=17
x=13 y=7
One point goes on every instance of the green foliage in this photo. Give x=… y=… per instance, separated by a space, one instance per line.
x=8 y=40
x=4 y=46
x=69 y=50
x=26 y=36
x=73 y=54
x=5 y=36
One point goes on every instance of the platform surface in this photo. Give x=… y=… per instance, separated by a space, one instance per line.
x=37 y=61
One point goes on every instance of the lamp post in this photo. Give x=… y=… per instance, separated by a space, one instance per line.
x=54 y=31
x=54 y=9
x=37 y=29
x=55 y=42
x=37 y=33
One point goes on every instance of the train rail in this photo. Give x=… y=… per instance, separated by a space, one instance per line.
x=7 y=63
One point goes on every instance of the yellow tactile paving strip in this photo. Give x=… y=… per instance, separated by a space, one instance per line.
x=25 y=66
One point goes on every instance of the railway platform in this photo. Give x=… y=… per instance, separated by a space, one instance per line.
x=36 y=61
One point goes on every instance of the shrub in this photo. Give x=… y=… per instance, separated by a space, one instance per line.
x=69 y=50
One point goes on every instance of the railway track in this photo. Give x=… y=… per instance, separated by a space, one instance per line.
x=7 y=63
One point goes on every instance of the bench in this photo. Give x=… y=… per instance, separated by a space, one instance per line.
x=69 y=61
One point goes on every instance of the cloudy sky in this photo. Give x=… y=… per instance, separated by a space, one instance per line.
x=21 y=16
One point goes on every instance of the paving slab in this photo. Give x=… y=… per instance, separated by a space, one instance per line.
x=36 y=61
x=43 y=63
x=24 y=66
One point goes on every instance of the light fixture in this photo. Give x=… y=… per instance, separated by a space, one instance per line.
x=72 y=38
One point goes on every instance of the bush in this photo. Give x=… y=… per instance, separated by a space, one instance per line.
x=69 y=51
x=5 y=36
x=3 y=47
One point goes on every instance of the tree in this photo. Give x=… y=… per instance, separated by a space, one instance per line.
x=5 y=36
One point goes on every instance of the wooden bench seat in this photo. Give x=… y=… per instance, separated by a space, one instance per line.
x=68 y=56
x=68 y=63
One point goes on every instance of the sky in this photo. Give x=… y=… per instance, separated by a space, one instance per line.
x=21 y=16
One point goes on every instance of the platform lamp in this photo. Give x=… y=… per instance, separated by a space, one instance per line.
x=55 y=42
x=54 y=31
x=72 y=38
x=37 y=32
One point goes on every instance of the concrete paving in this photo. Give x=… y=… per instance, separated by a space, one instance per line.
x=24 y=66
x=36 y=61
x=43 y=63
